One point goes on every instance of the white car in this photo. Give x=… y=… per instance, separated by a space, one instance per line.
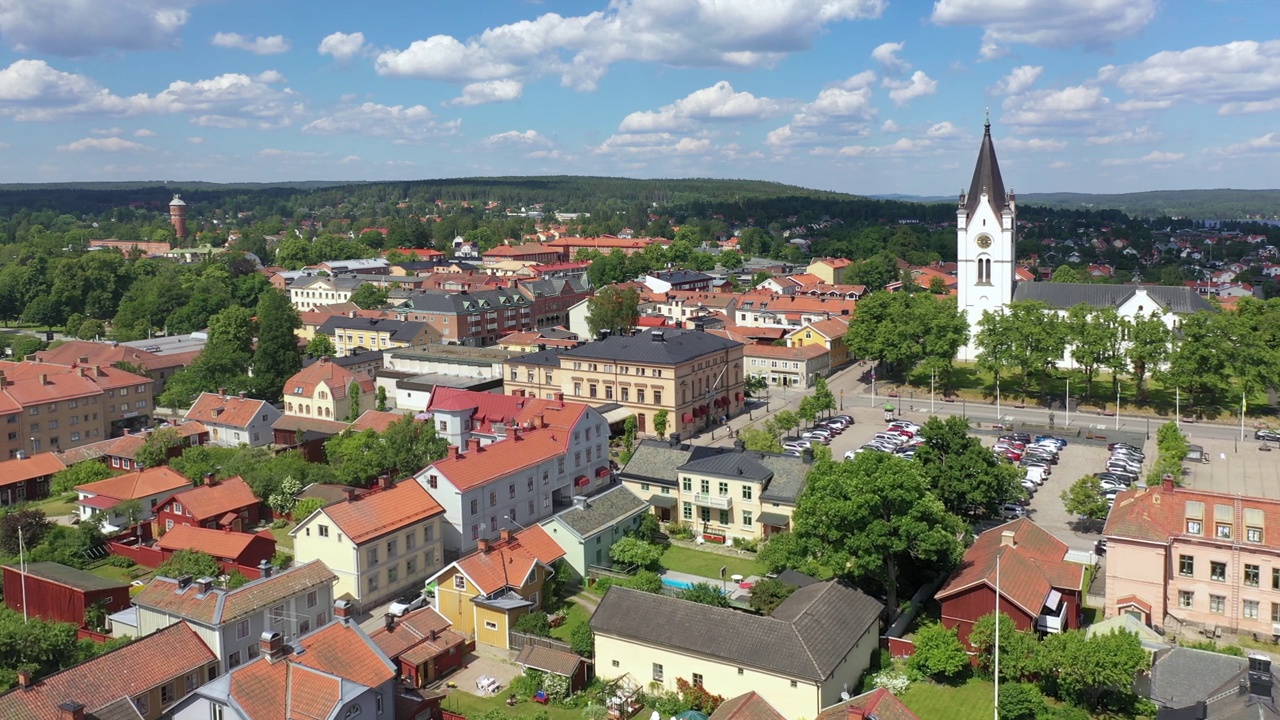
x=1036 y=475
x=797 y=445
x=906 y=425
x=408 y=602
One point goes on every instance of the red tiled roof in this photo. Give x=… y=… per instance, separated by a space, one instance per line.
x=601 y=242
x=102 y=354
x=879 y=702
x=137 y=485
x=520 y=250
x=218 y=543
x=99 y=502
x=207 y=501
x=231 y=410
x=129 y=671
x=375 y=514
x=499 y=459
x=1159 y=514
x=749 y=707
x=762 y=302
x=223 y=605
x=410 y=636
x=375 y=420
x=337 y=378
x=806 y=353
x=832 y=328
x=32 y=383
x=508 y=563
x=833 y=262
x=1029 y=569
x=651 y=321
x=506 y=409
x=15 y=471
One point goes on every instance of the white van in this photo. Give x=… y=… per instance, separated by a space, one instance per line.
x=1036 y=475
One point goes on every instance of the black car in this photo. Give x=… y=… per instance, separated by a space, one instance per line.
x=1267 y=435
x=1021 y=437
x=1126 y=445
x=1119 y=477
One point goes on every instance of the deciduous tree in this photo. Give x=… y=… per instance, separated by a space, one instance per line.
x=320 y=346
x=938 y=653
x=706 y=594
x=1084 y=498
x=1148 y=348
x=1088 y=668
x=613 y=309
x=276 y=358
x=963 y=473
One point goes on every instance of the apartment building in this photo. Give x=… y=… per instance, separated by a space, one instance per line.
x=311 y=291
x=667 y=280
x=471 y=318
x=527 y=253
x=696 y=377
x=46 y=406
x=787 y=367
x=829 y=334
x=829 y=270
x=552 y=298
x=789 y=311
x=85 y=353
x=1191 y=557
x=724 y=493
x=353 y=335
x=323 y=390
x=233 y=420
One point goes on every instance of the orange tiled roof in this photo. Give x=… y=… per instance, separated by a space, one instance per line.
x=126 y=672
x=493 y=408
x=208 y=501
x=879 y=703
x=806 y=278
x=232 y=410
x=137 y=485
x=507 y=563
x=762 y=302
x=33 y=383
x=1032 y=567
x=83 y=352
x=375 y=420
x=467 y=470
x=15 y=471
x=223 y=605
x=1159 y=513
x=748 y=707
x=831 y=328
x=410 y=637
x=337 y=378
x=374 y=514
x=218 y=543
x=833 y=262
x=520 y=250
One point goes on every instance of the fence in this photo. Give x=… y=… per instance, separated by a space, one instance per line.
x=517 y=641
x=145 y=556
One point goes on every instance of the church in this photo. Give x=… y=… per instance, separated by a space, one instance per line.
x=986 y=245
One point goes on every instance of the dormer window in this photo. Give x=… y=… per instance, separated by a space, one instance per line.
x=297 y=390
x=1195 y=517
x=1253 y=524
x=1222 y=517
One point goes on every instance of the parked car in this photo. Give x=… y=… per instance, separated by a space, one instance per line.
x=1108 y=484
x=1267 y=435
x=1020 y=437
x=1124 y=478
x=1060 y=442
x=1114 y=445
x=846 y=418
x=906 y=425
x=1012 y=511
x=851 y=454
x=407 y=602
x=796 y=445
x=1029 y=486
x=824 y=438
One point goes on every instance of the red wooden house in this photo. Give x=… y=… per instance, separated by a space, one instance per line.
x=1039 y=589
x=422 y=646
x=234 y=551
x=227 y=504
x=27 y=477
x=56 y=592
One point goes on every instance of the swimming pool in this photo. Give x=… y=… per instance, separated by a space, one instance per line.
x=677 y=584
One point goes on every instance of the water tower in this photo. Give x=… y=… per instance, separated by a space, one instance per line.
x=178 y=216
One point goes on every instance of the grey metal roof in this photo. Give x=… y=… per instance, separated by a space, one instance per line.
x=1179 y=300
x=601 y=512
x=472 y=301
x=816 y=629
x=339 y=282
x=399 y=329
x=680 y=276
x=1182 y=676
x=783 y=476
x=986 y=178
x=549 y=357
x=655 y=462
x=790 y=474
x=661 y=346
x=360 y=358
x=730 y=465
x=69 y=576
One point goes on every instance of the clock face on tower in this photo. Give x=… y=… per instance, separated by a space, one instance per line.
x=984 y=241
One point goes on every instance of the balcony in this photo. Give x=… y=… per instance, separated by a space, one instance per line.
x=1053 y=616
x=721 y=502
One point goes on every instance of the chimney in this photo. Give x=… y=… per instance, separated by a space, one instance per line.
x=557 y=396
x=657 y=336
x=384 y=482
x=71 y=710
x=84 y=360
x=241 y=394
x=505 y=534
x=435 y=634
x=518 y=393
x=222 y=391
x=205 y=584
x=482 y=545
x=453 y=452
x=513 y=432
x=473 y=445
x=342 y=610
x=24 y=679
x=1166 y=482
x=211 y=480
x=184 y=581
x=271 y=645
x=44 y=378
x=739 y=446
x=3 y=380
x=855 y=713
x=264 y=568
x=1006 y=539
x=350 y=493
x=581 y=501
x=22 y=454
x=389 y=621
x=81 y=372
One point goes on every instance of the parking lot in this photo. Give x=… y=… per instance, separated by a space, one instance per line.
x=1075 y=461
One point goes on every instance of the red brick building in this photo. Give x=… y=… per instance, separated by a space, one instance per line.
x=227 y=505
x=55 y=592
x=1039 y=589
x=529 y=252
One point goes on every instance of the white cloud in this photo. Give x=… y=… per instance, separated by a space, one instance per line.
x=398 y=123
x=350 y=160
x=289 y=154
x=143 y=132
x=1267 y=143
x=488 y=91
x=901 y=147
x=1143 y=105
x=887 y=55
x=106 y=131
x=1242 y=77
x=75 y=28
x=107 y=144
x=1155 y=157
x=1137 y=136
x=1046 y=23
x=195 y=140
x=652 y=144
x=718 y=102
x=273 y=45
x=528 y=138
x=342 y=46
x=1032 y=145
x=889 y=126
x=580 y=49
x=1080 y=105
x=902 y=92
x=1019 y=80
x=219 y=121
x=843 y=108
x=269 y=77
x=943 y=130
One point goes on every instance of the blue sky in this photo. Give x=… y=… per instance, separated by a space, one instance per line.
x=866 y=96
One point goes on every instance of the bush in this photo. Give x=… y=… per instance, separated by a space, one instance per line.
x=679 y=531
x=279 y=524
x=527 y=684
x=891 y=680
x=583 y=640
x=121 y=561
x=1021 y=701
x=603 y=584
x=746 y=544
x=644 y=581
x=534 y=623
x=635 y=552
x=939 y=653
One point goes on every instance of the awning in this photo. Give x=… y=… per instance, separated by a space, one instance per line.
x=774 y=519
x=616 y=415
x=686 y=418
x=697 y=411
x=602 y=472
x=227 y=519
x=1054 y=601
x=663 y=501
x=582 y=481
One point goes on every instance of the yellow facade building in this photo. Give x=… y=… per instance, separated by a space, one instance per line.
x=827 y=333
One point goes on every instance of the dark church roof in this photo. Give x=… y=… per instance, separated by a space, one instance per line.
x=986 y=176
x=1177 y=299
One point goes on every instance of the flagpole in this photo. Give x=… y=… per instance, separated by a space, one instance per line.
x=22 y=564
x=997 y=672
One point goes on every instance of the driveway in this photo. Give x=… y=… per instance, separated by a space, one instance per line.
x=485 y=662
x=1046 y=509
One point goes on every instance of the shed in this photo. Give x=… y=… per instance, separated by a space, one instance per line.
x=556 y=662
x=59 y=593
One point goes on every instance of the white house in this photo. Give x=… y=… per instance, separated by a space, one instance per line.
x=111 y=498
x=234 y=420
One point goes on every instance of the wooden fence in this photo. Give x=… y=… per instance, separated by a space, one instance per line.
x=517 y=641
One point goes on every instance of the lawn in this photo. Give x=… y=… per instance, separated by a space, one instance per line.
x=464 y=703
x=973 y=700
x=112 y=572
x=284 y=541
x=56 y=506
x=708 y=564
x=576 y=615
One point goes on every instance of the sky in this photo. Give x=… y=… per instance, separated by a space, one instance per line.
x=863 y=96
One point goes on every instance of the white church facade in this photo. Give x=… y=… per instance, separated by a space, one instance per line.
x=986 y=241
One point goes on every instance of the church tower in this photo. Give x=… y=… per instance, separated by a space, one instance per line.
x=986 y=232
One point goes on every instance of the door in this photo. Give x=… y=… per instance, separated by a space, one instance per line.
x=640 y=422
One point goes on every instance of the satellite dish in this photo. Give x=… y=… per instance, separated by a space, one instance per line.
x=844 y=695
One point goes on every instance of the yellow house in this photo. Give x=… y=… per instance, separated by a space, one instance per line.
x=483 y=594
x=831 y=270
x=322 y=390
x=379 y=543
x=827 y=333
x=358 y=334
x=813 y=647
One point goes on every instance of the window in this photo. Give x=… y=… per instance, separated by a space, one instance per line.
x=475 y=506
x=372 y=583
x=167 y=694
x=475 y=532
x=242 y=629
x=657 y=672
x=746 y=518
x=1223 y=531
x=493 y=499
x=577 y=389
x=312 y=598
x=1251 y=609
x=322 y=530
x=1275 y=578
x=252 y=651
x=511 y=491
x=1217 y=604
x=560 y=464
x=686 y=484
x=1253 y=535
x=353 y=710
x=1186 y=565
x=747 y=492
x=410 y=566
x=233 y=660
x=615 y=663
x=1275 y=612
x=143 y=702
x=371 y=556
x=705 y=486
x=688 y=511
x=1186 y=598
x=189 y=682
x=428 y=534
x=657 y=397
x=1193 y=527
x=724 y=517
x=626 y=394
x=393 y=574
x=1217 y=571
x=640 y=395
x=722 y=489
x=377 y=701
x=393 y=548
x=177 y=508
x=697 y=679
x=490 y=625
x=794 y=683
x=1252 y=575
x=459 y=582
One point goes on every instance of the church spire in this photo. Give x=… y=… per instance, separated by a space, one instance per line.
x=986 y=176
